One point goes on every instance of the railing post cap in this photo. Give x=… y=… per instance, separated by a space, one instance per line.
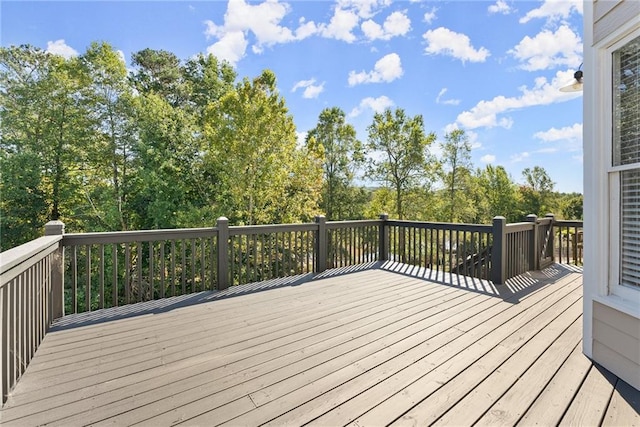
x=54 y=228
x=383 y=216
x=499 y=218
x=532 y=217
x=550 y=215
x=320 y=218
x=222 y=218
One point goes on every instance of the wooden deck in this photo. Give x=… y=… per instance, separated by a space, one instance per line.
x=376 y=346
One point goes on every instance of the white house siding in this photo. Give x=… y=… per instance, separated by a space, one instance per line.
x=616 y=342
x=609 y=15
x=611 y=326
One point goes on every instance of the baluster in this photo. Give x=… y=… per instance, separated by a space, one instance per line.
x=162 y=268
x=74 y=279
x=101 y=284
x=114 y=271
x=151 y=272
x=127 y=273
x=139 y=251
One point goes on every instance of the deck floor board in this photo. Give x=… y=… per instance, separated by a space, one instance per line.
x=379 y=345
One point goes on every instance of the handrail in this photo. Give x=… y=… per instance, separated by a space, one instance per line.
x=517 y=227
x=334 y=225
x=30 y=298
x=16 y=260
x=243 y=230
x=480 y=228
x=136 y=236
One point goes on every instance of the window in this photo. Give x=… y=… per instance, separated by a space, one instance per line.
x=625 y=171
x=626 y=104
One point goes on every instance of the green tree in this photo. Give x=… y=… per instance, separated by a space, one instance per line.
x=342 y=155
x=206 y=80
x=251 y=152
x=500 y=193
x=23 y=206
x=159 y=72
x=573 y=207
x=456 y=175
x=43 y=115
x=536 y=193
x=108 y=100
x=400 y=154
x=168 y=162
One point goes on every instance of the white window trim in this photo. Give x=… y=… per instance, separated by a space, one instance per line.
x=623 y=297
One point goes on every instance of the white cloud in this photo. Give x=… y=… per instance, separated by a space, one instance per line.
x=439 y=99
x=473 y=139
x=396 y=24
x=363 y=8
x=231 y=47
x=387 y=69
x=311 y=90
x=263 y=20
x=59 y=47
x=121 y=56
x=341 y=26
x=501 y=6
x=553 y=10
x=376 y=104
x=429 y=17
x=485 y=113
x=306 y=29
x=443 y=41
x=567 y=133
x=548 y=50
x=488 y=158
x=547 y=150
x=519 y=157
x=301 y=138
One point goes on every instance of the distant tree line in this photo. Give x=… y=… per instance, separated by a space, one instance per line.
x=173 y=143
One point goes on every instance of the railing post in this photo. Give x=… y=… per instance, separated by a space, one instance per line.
x=223 y=253
x=534 y=257
x=499 y=251
x=321 y=244
x=383 y=238
x=56 y=228
x=552 y=234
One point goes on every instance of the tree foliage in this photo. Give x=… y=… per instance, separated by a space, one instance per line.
x=166 y=144
x=251 y=149
x=171 y=143
x=400 y=158
x=342 y=155
x=456 y=175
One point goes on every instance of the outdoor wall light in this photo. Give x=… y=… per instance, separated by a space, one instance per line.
x=576 y=85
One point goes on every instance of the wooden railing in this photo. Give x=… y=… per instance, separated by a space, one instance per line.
x=30 y=298
x=568 y=238
x=533 y=245
x=264 y=252
x=352 y=242
x=111 y=269
x=456 y=248
x=68 y=273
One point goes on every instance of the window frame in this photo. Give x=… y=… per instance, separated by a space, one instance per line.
x=624 y=292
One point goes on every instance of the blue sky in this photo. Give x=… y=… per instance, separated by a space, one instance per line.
x=492 y=68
